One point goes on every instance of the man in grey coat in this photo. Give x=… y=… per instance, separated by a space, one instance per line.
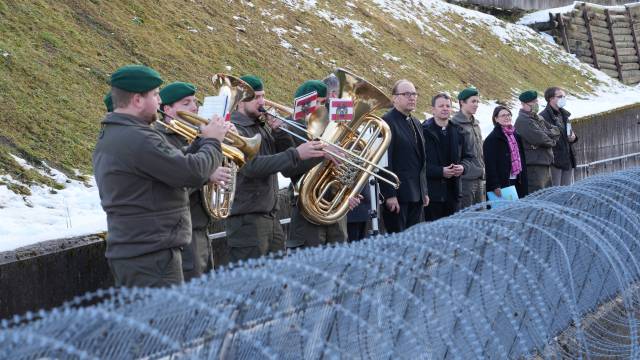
x=538 y=138
x=473 y=186
x=142 y=178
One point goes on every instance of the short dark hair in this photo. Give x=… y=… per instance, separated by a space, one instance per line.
x=394 y=90
x=496 y=112
x=440 y=96
x=550 y=92
x=122 y=98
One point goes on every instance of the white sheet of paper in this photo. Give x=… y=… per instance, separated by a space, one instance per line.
x=213 y=105
x=568 y=129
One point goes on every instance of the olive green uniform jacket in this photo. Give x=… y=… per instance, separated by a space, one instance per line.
x=257 y=188
x=142 y=181
x=197 y=256
x=474 y=166
x=538 y=138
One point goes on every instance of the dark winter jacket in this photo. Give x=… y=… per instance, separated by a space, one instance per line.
x=405 y=157
x=497 y=160
x=563 y=155
x=437 y=159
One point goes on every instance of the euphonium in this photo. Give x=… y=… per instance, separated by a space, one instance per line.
x=325 y=190
x=237 y=150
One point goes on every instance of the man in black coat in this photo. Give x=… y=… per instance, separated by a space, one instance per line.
x=564 y=158
x=444 y=152
x=404 y=206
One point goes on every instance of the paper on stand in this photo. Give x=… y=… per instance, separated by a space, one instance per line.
x=214 y=105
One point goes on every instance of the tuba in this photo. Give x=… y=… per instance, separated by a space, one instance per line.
x=325 y=190
x=236 y=149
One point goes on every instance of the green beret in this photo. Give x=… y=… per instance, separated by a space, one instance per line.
x=528 y=95
x=310 y=86
x=467 y=93
x=176 y=91
x=108 y=102
x=254 y=81
x=136 y=78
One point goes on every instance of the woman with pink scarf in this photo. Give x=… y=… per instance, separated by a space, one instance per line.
x=504 y=155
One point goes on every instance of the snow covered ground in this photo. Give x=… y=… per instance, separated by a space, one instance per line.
x=76 y=209
x=543 y=15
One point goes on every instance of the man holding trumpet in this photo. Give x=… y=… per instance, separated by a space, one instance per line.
x=253 y=228
x=197 y=256
x=142 y=178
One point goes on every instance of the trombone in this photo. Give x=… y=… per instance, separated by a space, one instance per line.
x=395 y=182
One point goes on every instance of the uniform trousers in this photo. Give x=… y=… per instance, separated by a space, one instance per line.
x=157 y=269
x=473 y=192
x=197 y=257
x=251 y=236
x=538 y=177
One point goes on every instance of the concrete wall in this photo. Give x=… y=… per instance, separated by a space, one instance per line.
x=47 y=274
x=536 y=4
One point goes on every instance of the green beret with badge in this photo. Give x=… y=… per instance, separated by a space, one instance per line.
x=253 y=81
x=467 y=93
x=176 y=91
x=310 y=86
x=136 y=78
x=528 y=96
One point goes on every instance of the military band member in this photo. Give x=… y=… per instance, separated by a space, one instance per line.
x=302 y=232
x=197 y=256
x=538 y=139
x=141 y=180
x=253 y=228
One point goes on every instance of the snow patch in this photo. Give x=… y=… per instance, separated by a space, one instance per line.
x=390 y=57
x=543 y=15
x=49 y=214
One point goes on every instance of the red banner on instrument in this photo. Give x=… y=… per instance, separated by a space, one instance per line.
x=340 y=110
x=304 y=105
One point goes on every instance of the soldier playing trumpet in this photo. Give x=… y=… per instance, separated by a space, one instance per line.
x=197 y=256
x=142 y=178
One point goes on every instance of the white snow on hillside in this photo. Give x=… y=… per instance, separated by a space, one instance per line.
x=76 y=209
x=543 y=15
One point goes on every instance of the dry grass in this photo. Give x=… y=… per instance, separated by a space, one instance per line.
x=60 y=54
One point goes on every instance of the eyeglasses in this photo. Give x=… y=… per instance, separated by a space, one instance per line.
x=505 y=115
x=408 y=94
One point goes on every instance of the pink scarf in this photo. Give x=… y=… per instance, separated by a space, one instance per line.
x=516 y=165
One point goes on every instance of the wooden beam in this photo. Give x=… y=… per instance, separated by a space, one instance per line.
x=587 y=24
x=632 y=21
x=613 y=42
x=563 y=31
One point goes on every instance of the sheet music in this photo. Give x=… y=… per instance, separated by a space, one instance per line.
x=214 y=105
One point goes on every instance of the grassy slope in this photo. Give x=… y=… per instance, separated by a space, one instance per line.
x=60 y=54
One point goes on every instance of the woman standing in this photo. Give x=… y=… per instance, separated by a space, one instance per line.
x=504 y=155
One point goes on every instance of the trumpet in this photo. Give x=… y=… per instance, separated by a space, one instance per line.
x=236 y=149
x=316 y=123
